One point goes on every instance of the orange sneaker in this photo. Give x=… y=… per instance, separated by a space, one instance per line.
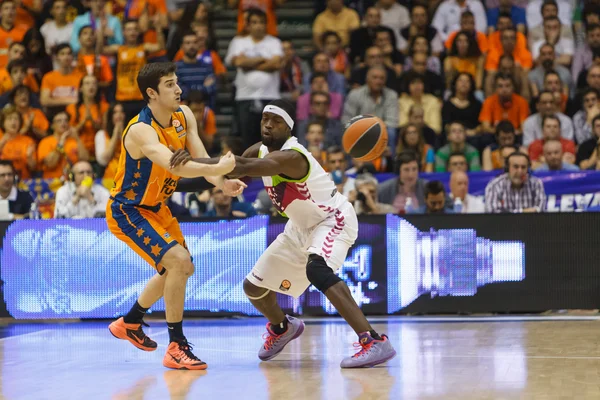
x=132 y=333
x=179 y=356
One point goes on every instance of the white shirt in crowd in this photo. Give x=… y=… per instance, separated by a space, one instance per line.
x=564 y=46
x=65 y=208
x=54 y=35
x=473 y=205
x=255 y=85
x=447 y=17
x=396 y=18
x=534 y=13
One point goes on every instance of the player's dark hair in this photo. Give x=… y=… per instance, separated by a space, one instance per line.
x=150 y=74
x=434 y=187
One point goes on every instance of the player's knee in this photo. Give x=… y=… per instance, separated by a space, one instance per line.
x=252 y=291
x=181 y=262
x=320 y=274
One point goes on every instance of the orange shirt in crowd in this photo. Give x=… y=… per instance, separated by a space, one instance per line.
x=87 y=134
x=521 y=54
x=209 y=122
x=468 y=65
x=111 y=168
x=482 y=41
x=6 y=38
x=217 y=63
x=267 y=6
x=40 y=121
x=6 y=83
x=16 y=150
x=536 y=148
x=48 y=145
x=340 y=62
x=516 y=111
x=24 y=19
x=86 y=65
x=65 y=86
x=129 y=61
x=154 y=7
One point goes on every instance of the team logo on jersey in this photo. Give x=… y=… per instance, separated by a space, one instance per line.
x=166 y=235
x=285 y=285
x=176 y=123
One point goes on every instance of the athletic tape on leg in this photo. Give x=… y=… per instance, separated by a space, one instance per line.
x=259 y=297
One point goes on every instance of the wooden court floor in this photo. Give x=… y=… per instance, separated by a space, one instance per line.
x=443 y=358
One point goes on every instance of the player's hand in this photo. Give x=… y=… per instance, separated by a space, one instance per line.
x=179 y=157
x=226 y=164
x=233 y=187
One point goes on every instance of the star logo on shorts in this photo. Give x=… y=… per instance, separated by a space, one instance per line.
x=156 y=249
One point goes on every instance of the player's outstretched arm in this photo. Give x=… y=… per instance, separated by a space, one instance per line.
x=290 y=163
x=141 y=141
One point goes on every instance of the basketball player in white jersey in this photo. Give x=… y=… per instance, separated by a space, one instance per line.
x=322 y=227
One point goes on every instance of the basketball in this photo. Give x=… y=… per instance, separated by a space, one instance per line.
x=365 y=137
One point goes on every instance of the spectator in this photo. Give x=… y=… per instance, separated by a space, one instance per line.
x=504 y=104
x=584 y=56
x=98 y=17
x=587 y=15
x=131 y=57
x=292 y=74
x=462 y=104
x=73 y=9
x=417 y=96
x=375 y=99
x=318 y=83
x=588 y=154
x=464 y=56
x=493 y=156
x=373 y=58
x=416 y=116
x=564 y=47
x=508 y=67
x=336 y=82
x=60 y=87
x=57 y=30
x=546 y=106
x=507 y=7
x=86 y=115
x=62 y=147
x=319 y=104
x=196 y=73
x=394 y=16
x=88 y=61
x=364 y=198
x=412 y=139
x=536 y=11
x=225 y=207
x=266 y=6
x=337 y=165
x=108 y=140
x=419 y=26
x=459 y=189
x=509 y=45
x=364 y=37
x=196 y=17
x=36 y=59
x=546 y=62
x=342 y=19
x=467 y=24
x=205 y=120
x=550 y=131
x=553 y=84
x=418 y=66
x=210 y=55
x=419 y=45
x=315 y=142
x=447 y=16
x=392 y=58
x=457 y=162
x=19 y=201
x=516 y=190
x=14 y=147
x=35 y=123
x=553 y=156
x=549 y=9
x=457 y=143
x=582 y=120
x=80 y=197
x=396 y=191
x=10 y=32
x=435 y=200
x=257 y=58
x=16 y=74
x=332 y=46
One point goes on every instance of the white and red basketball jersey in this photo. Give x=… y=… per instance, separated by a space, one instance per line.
x=307 y=201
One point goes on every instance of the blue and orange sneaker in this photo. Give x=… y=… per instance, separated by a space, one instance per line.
x=274 y=343
x=133 y=333
x=373 y=352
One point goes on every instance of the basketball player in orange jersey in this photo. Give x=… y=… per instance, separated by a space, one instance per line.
x=322 y=227
x=137 y=214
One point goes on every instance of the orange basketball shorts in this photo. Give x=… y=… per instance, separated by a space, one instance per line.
x=150 y=232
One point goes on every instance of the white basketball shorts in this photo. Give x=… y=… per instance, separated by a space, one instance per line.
x=282 y=267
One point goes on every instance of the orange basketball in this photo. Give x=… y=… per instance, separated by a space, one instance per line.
x=365 y=137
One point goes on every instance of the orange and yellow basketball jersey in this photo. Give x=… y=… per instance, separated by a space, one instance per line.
x=141 y=182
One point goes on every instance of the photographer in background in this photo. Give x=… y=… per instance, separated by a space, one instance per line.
x=14 y=203
x=80 y=197
x=364 y=197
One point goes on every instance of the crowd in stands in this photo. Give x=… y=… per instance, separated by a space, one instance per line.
x=461 y=85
